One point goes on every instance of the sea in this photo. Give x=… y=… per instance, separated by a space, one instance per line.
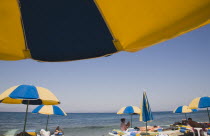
x=87 y=124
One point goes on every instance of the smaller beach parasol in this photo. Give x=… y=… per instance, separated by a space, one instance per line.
x=49 y=110
x=131 y=110
x=29 y=95
x=146 y=113
x=184 y=109
x=200 y=102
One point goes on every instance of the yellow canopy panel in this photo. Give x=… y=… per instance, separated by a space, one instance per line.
x=12 y=44
x=137 y=24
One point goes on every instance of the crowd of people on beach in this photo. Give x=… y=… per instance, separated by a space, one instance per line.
x=189 y=122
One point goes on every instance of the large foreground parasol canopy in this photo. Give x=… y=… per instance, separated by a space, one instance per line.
x=55 y=30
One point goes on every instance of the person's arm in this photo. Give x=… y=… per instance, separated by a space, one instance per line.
x=128 y=124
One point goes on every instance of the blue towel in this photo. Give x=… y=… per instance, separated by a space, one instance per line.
x=208 y=132
x=183 y=130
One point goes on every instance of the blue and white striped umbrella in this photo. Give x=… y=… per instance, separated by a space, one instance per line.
x=184 y=109
x=200 y=102
x=49 y=110
x=30 y=95
x=131 y=110
x=146 y=113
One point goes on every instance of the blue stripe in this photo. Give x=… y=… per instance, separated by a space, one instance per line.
x=37 y=109
x=25 y=92
x=146 y=111
x=179 y=109
x=128 y=110
x=204 y=102
x=57 y=110
x=194 y=110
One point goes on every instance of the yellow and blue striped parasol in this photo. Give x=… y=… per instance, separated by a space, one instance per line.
x=49 y=110
x=29 y=95
x=146 y=113
x=81 y=29
x=131 y=110
x=200 y=102
x=184 y=109
x=22 y=94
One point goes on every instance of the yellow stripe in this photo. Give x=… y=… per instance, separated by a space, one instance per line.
x=12 y=101
x=63 y=111
x=186 y=109
x=7 y=92
x=12 y=43
x=136 y=110
x=46 y=109
x=138 y=24
x=47 y=97
x=194 y=103
x=6 y=99
x=140 y=117
x=121 y=110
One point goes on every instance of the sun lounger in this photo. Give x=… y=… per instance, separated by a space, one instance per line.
x=128 y=132
x=44 y=133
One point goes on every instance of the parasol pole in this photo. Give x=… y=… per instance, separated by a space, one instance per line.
x=131 y=120
x=146 y=127
x=185 y=115
x=208 y=114
x=26 y=116
x=47 y=121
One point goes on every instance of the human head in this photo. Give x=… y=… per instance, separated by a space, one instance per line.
x=190 y=119
x=122 y=120
x=57 y=128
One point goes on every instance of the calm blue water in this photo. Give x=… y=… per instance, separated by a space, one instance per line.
x=87 y=124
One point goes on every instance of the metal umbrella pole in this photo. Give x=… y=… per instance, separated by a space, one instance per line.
x=26 y=115
x=47 y=121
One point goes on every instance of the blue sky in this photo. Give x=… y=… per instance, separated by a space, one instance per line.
x=172 y=73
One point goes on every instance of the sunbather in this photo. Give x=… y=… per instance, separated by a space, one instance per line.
x=149 y=128
x=58 y=131
x=123 y=125
x=194 y=123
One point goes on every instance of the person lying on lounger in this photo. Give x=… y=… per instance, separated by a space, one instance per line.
x=58 y=131
x=149 y=128
x=194 y=123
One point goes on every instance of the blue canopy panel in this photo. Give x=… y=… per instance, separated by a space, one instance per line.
x=57 y=110
x=204 y=102
x=179 y=109
x=25 y=92
x=129 y=110
x=61 y=30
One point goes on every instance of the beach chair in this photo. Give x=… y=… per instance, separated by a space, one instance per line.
x=44 y=133
x=186 y=130
x=207 y=132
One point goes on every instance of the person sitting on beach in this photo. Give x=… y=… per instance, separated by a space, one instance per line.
x=123 y=125
x=194 y=123
x=58 y=131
